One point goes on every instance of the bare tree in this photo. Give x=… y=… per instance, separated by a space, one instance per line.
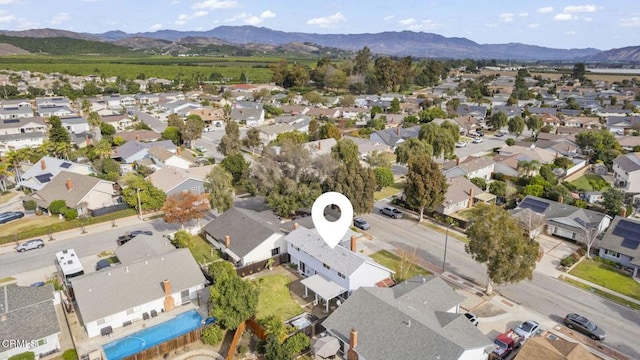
x=591 y=232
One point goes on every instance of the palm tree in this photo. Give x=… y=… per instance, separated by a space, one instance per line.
x=528 y=168
x=4 y=174
x=103 y=149
x=95 y=120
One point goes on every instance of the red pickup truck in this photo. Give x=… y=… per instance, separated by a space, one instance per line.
x=506 y=343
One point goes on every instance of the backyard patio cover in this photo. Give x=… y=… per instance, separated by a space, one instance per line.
x=323 y=288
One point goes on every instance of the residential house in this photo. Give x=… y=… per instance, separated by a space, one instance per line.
x=181 y=107
x=251 y=117
x=81 y=192
x=585 y=122
x=392 y=120
x=120 y=121
x=117 y=101
x=295 y=109
x=36 y=176
x=551 y=347
x=471 y=167
x=246 y=236
x=510 y=110
x=174 y=180
x=132 y=151
x=565 y=220
x=550 y=119
x=622 y=124
x=478 y=112
x=18 y=133
x=139 y=135
x=298 y=122
x=628 y=143
x=509 y=157
x=323 y=113
x=153 y=278
x=355 y=113
x=163 y=157
x=367 y=146
x=346 y=269
x=59 y=111
x=75 y=125
x=269 y=133
x=208 y=114
x=626 y=172
x=320 y=147
x=16 y=110
x=391 y=96
x=28 y=321
x=621 y=243
x=416 y=317
x=461 y=194
x=42 y=102
x=531 y=222
x=393 y=137
x=467 y=124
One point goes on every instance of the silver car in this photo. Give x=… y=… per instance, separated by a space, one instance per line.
x=30 y=245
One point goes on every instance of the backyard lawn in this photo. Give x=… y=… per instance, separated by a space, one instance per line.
x=28 y=222
x=590 y=182
x=202 y=251
x=274 y=298
x=603 y=275
x=388 y=191
x=394 y=262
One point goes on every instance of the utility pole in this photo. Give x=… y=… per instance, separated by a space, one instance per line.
x=139 y=204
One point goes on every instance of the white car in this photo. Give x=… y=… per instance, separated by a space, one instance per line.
x=528 y=329
x=476 y=140
x=461 y=144
x=201 y=148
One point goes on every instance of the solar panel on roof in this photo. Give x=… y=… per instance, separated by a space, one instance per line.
x=65 y=165
x=11 y=121
x=44 y=177
x=534 y=204
x=630 y=243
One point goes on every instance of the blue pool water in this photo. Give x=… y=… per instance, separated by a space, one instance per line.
x=155 y=335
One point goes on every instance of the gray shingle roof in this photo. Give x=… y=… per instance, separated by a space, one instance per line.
x=30 y=314
x=122 y=287
x=628 y=162
x=406 y=322
x=247 y=229
x=56 y=189
x=563 y=215
x=623 y=236
x=143 y=247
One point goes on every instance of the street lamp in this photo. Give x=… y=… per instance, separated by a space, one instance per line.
x=139 y=204
x=446 y=241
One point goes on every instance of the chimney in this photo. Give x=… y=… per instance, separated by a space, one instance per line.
x=398 y=131
x=69 y=184
x=457 y=161
x=354 y=243
x=169 y=303
x=87 y=140
x=319 y=144
x=296 y=226
x=137 y=137
x=353 y=343
x=623 y=212
x=227 y=240
x=470 y=198
x=560 y=199
x=43 y=164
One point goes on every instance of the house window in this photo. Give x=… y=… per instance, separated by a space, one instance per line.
x=275 y=251
x=326 y=266
x=341 y=275
x=130 y=311
x=612 y=254
x=42 y=342
x=100 y=322
x=296 y=248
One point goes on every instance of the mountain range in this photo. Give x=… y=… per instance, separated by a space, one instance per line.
x=404 y=43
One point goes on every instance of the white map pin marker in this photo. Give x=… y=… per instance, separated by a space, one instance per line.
x=332 y=231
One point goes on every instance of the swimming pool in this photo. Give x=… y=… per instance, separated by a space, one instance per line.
x=152 y=336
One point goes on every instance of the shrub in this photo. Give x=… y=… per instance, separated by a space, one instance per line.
x=568 y=261
x=581 y=251
x=575 y=256
x=242 y=349
x=212 y=335
x=29 y=355
x=30 y=205
x=70 y=214
x=498 y=176
x=296 y=343
x=57 y=207
x=70 y=354
x=510 y=142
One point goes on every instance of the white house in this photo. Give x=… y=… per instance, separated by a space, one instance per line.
x=345 y=267
x=28 y=321
x=36 y=176
x=153 y=277
x=163 y=157
x=626 y=171
x=621 y=243
x=75 y=125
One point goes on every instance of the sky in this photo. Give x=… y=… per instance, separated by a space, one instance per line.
x=557 y=24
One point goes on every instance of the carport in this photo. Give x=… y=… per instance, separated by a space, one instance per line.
x=323 y=288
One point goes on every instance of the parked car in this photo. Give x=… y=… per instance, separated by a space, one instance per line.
x=201 y=148
x=499 y=134
x=584 y=325
x=461 y=144
x=472 y=317
x=219 y=124
x=361 y=223
x=506 y=344
x=391 y=212
x=38 y=284
x=477 y=140
x=528 y=329
x=9 y=216
x=102 y=264
x=479 y=133
x=123 y=239
x=141 y=232
x=30 y=245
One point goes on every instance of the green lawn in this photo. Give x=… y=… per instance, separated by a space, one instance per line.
x=202 y=251
x=275 y=299
x=394 y=262
x=600 y=293
x=604 y=275
x=389 y=191
x=590 y=182
x=20 y=225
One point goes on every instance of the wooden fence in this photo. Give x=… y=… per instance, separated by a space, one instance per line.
x=261 y=265
x=257 y=330
x=166 y=347
x=236 y=338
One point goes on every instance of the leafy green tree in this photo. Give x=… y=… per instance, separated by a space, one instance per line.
x=175 y=120
x=563 y=162
x=230 y=141
x=534 y=123
x=172 y=133
x=378 y=159
x=498 y=188
x=498 y=120
x=57 y=207
x=599 y=145
x=232 y=301
x=181 y=239
x=479 y=182
x=357 y=183
x=314 y=127
x=219 y=183
x=252 y=140
x=57 y=133
x=362 y=61
x=274 y=326
x=394 y=108
x=516 y=125
x=384 y=177
x=237 y=166
x=107 y=129
x=425 y=186
x=151 y=198
x=192 y=129
x=329 y=130
x=275 y=350
x=213 y=335
x=510 y=256
x=346 y=151
x=412 y=147
x=612 y=201
x=579 y=72
x=296 y=343
x=296 y=136
x=219 y=270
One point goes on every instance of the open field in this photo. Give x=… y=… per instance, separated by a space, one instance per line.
x=556 y=75
x=28 y=222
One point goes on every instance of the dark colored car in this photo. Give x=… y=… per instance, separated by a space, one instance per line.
x=141 y=232
x=361 y=223
x=584 y=325
x=30 y=245
x=391 y=212
x=123 y=239
x=6 y=217
x=102 y=264
x=472 y=317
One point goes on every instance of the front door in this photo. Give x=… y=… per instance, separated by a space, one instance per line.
x=303 y=268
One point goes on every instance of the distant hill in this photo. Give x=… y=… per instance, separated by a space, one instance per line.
x=625 y=54
x=63 y=46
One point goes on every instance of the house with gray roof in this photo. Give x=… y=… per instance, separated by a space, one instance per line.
x=565 y=220
x=81 y=192
x=417 y=317
x=393 y=137
x=132 y=151
x=75 y=125
x=60 y=111
x=28 y=316
x=626 y=172
x=472 y=167
x=621 y=243
x=174 y=180
x=17 y=111
x=341 y=268
x=36 y=176
x=249 y=116
x=246 y=236
x=367 y=146
x=142 y=287
x=462 y=194
x=163 y=157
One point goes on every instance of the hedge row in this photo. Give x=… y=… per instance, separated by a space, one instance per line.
x=67 y=225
